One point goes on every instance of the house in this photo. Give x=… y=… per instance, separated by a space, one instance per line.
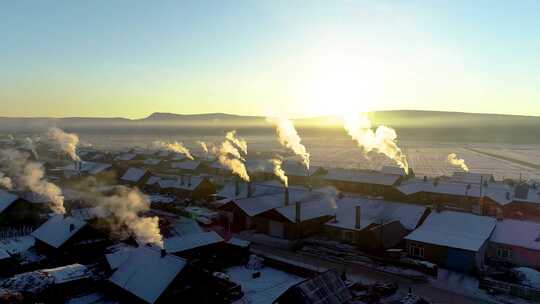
x=69 y=236
x=188 y=166
x=524 y=204
x=299 y=175
x=85 y=168
x=194 y=187
x=17 y=212
x=362 y=181
x=471 y=178
x=327 y=287
x=147 y=274
x=515 y=242
x=135 y=176
x=453 y=240
x=373 y=224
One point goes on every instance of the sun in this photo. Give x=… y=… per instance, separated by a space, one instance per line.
x=337 y=84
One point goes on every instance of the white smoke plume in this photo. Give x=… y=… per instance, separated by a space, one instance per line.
x=31 y=146
x=5 y=181
x=229 y=155
x=238 y=142
x=10 y=137
x=176 y=147
x=279 y=172
x=288 y=137
x=458 y=162
x=67 y=141
x=382 y=140
x=125 y=206
x=30 y=175
x=203 y=146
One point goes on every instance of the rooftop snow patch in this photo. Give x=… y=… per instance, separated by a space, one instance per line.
x=133 y=175
x=361 y=176
x=455 y=230
x=186 y=165
x=6 y=199
x=517 y=233
x=58 y=229
x=191 y=241
x=146 y=274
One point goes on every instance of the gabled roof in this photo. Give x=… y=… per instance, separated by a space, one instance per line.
x=125 y=157
x=152 y=161
x=186 y=165
x=91 y=168
x=191 y=241
x=375 y=212
x=258 y=189
x=314 y=205
x=393 y=170
x=152 y=180
x=293 y=168
x=133 y=175
x=86 y=214
x=118 y=254
x=517 y=233
x=6 y=199
x=361 y=176
x=454 y=229
x=58 y=229
x=146 y=274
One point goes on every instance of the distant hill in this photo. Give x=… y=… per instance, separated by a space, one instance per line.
x=410 y=124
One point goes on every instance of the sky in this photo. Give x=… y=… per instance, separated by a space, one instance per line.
x=278 y=58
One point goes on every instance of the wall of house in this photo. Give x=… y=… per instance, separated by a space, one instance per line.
x=451 y=258
x=519 y=256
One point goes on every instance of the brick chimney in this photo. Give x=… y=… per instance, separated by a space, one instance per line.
x=286 y=198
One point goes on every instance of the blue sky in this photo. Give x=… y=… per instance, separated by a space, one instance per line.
x=296 y=58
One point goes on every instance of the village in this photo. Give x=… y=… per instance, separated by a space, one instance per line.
x=325 y=235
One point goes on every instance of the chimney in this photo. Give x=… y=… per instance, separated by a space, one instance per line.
x=249 y=189
x=236 y=187
x=71 y=227
x=286 y=202
x=163 y=253
x=298 y=212
x=358 y=214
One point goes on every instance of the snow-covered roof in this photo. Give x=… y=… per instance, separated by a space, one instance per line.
x=375 y=212
x=152 y=180
x=393 y=170
x=183 y=226
x=293 y=168
x=133 y=175
x=498 y=192
x=361 y=176
x=146 y=274
x=17 y=245
x=267 y=288
x=239 y=242
x=314 y=205
x=6 y=199
x=152 y=161
x=68 y=273
x=161 y=199
x=258 y=189
x=188 y=183
x=517 y=233
x=454 y=229
x=186 y=165
x=470 y=177
x=191 y=241
x=58 y=229
x=118 y=254
x=125 y=157
x=259 y=165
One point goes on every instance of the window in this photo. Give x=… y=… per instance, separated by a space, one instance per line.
x=504 y=253
x=416 y=250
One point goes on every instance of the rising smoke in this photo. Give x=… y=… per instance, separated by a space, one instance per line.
x=30 y=175
x=176 y=147
x=279 y=172
x=30 y=145
x=125 y=206
x=67 y=141
x=382 y=140
x=288 y=137
x=458 y=162
x=203 y=146
x=229 y=155
x=5 y=181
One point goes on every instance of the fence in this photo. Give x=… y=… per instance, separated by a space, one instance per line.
x=9 y=233
x=511 y=289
